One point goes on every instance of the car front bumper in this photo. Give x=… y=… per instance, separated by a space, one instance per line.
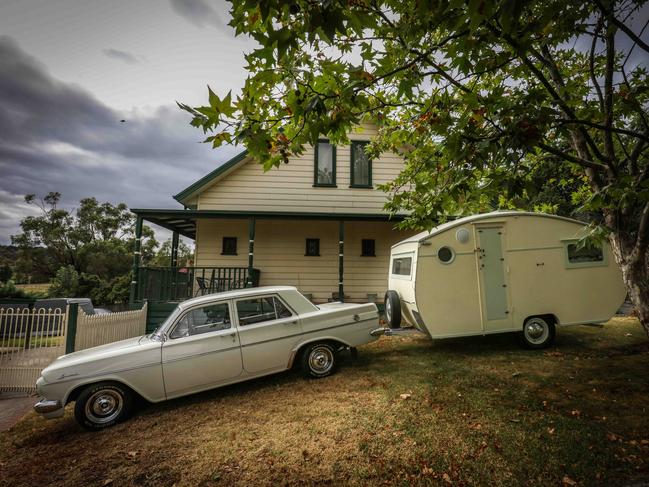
x=49 y=408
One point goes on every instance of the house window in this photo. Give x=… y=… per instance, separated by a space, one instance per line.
x=368 y=247
x=229 y=246
x=361 y=166
x=312 y=247
x=584 y=255
x=325 y=164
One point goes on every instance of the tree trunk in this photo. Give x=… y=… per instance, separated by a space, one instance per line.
x=635 y=272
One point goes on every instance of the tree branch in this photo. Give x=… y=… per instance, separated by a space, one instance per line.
x=577 y=160
x=620 y=25
x=591 y=65
x=608 y=90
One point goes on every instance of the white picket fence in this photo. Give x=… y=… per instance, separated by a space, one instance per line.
x=95 y=330
x=29 y=341
x=32 y=339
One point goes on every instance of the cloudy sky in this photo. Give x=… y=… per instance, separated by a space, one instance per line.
x=71 y=70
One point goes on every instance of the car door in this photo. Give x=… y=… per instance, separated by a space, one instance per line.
x=202 y=350
x=268 y=330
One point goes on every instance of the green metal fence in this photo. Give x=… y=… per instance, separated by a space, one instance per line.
x=164 y=284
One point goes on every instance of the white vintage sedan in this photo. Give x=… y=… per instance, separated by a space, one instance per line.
x=207 y=342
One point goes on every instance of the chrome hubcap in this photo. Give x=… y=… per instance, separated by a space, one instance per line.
x=388 y=310
x=536 y=331
x=321 y=359
x=104 y=406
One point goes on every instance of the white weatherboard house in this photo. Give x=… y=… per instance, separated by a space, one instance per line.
x=316 y=223
x=502 y=272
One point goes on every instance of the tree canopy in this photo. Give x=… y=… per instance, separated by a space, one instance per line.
x=88 y=251
x=493 y=103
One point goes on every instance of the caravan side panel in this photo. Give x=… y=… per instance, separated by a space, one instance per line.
x=544 y=282
x=447 y=294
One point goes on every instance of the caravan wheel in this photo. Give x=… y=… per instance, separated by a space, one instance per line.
x=393 y=309
x=538 y=332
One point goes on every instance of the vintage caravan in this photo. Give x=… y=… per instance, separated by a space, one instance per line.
x=502 y=272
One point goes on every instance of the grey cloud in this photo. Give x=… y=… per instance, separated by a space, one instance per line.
x=57 y=136
x=124 y=56
x=198 y=12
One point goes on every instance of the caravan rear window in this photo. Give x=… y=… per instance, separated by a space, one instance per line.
x=401 y=266
x=584 y=255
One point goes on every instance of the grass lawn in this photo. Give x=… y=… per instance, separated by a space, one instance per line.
x=478 y=411
x=33 y=342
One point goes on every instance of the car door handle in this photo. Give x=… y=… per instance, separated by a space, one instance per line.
x=229 y=335
x=294 y=322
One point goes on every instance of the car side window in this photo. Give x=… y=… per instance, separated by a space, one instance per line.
x=203 y=320
x=258 y=310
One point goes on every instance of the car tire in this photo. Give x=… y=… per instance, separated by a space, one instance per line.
x=319 y=360
x=538 y=332
x=103 y=404
x=393 y=309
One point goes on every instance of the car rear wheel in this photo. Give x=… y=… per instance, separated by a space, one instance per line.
x=538 y=332
x=393 y=309
x=101 y=405
x=319 y=360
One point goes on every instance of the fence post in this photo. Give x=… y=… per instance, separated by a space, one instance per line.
x=71 y=332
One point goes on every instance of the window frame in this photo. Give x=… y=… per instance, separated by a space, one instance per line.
x=373 y=240
x=352 y=183
x=316 y=184
x=236 y=243
x=306 y=247
x=407 y=255
x=577 y=265
x=293 y=316
x=177 y=321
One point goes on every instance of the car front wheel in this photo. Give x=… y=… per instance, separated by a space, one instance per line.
x=102 y=405
x=319 y=360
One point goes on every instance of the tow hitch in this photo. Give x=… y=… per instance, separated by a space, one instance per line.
x=396 y=332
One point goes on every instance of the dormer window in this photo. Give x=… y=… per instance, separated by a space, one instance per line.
x=361 y=166
x=325 y=164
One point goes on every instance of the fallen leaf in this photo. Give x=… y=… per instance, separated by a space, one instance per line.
x=475 y=426
x=551 y=431
x=405 y=396
x=644 y=442
x=132 y=454
x=107 y=482
x=568 y=481
x=612 y=436
x=575 y=412
x=447 y=478
x=516 y=374
x=514 y=420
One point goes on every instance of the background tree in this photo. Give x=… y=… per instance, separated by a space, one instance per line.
x=482 y=97
x=162 y=257
x=88 y=250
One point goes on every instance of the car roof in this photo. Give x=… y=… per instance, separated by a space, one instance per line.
x=235 y=294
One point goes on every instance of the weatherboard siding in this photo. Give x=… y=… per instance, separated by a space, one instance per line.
x=290 y=187
x=280 y=248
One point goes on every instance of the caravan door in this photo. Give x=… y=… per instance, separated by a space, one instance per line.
x=492 y=270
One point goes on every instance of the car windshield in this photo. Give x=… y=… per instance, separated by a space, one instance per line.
x=157 y=334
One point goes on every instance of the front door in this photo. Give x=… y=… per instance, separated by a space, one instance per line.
x=202 y=350
x=493 y=279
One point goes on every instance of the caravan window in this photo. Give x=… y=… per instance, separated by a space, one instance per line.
x=401 y=266
x=584 y=255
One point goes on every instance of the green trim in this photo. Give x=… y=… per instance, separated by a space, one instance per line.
x=351 y=166
x=580 y=265
x=205 y=180
x=316 y=184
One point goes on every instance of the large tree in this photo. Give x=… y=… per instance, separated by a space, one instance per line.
x=493 y=103
x=92 y=245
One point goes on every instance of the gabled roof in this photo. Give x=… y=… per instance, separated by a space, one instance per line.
x=199 y=185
